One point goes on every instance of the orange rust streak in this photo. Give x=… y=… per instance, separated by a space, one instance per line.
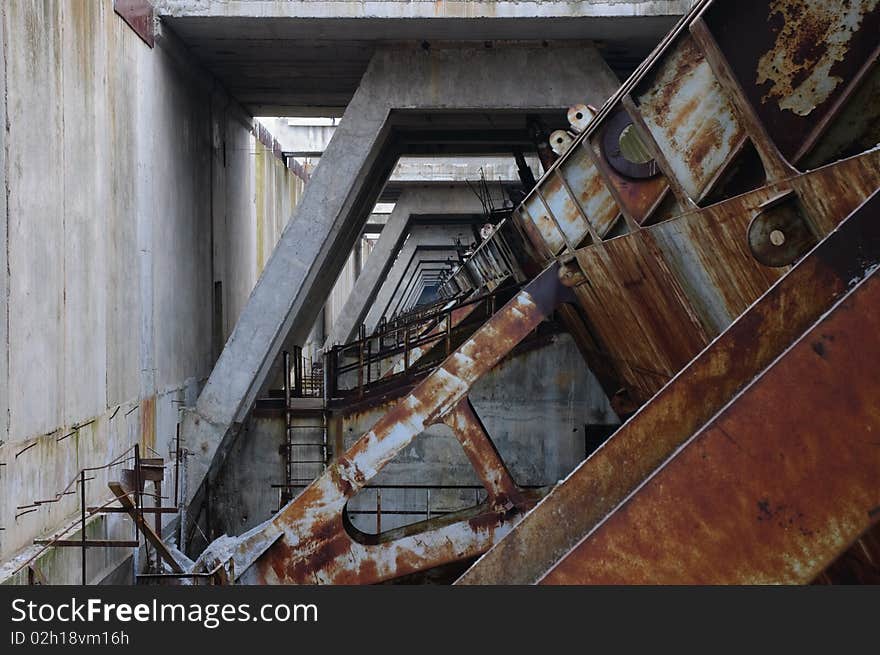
x=770 y=491
x=323 y=551
x=483 y=455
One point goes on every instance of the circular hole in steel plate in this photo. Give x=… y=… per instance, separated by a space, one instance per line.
x=625 y=150
x=632 y=148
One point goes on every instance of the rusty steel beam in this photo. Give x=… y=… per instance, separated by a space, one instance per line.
x=309 y=540
x=139 y=15
x=774 y=488
x=715 y=127
x=642 y=444
x=483 y=456
x=726 y=201
x=122 y=491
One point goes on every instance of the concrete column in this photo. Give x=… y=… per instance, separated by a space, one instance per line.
x=312 y=249
x=428 y=200
x=425 y=268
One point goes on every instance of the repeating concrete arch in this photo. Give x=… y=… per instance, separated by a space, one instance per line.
x=434 y=244
x=434 y=200
x=399 y=84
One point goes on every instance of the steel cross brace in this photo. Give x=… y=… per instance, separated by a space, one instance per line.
x=310 y=541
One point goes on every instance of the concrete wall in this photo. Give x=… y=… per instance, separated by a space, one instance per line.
x=341 y=291
x=278 y=192
x=535 y=406
x=120 y=164
x=260 y=193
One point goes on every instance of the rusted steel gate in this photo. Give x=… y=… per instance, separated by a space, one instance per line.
x=766 y=331
x=800 y=93
x=773 y=488
x=744 y=141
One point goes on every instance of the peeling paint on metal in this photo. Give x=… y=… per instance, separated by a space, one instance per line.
x=813 y=36
x=690 y=117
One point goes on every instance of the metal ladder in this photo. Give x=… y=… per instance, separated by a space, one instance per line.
x=296 y=452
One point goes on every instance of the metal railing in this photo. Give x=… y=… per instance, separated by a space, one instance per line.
x=399 y=347
x=222 y=574
x=78 y=484
x=303 y=376
x=479 y=494
x=431 y=508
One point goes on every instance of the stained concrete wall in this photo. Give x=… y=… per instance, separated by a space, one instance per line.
x=278 y=192
x=119 y=163
x=425 y=9
x=535 y=406
x=259 y=193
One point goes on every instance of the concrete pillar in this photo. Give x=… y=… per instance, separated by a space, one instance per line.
x=312 y=249
x=425 y=268
x=428 y=200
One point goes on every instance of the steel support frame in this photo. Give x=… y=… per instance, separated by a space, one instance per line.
x=310 y=542
x=686 y=403
x=770 y=491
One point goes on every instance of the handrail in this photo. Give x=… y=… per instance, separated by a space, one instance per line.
x=181 y=576
x=421 y=336
x=464 y=303
x=85 y=512
x=66 y=491
x=66 y=530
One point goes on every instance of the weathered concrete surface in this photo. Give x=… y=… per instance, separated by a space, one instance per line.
x=288 y=297
x=326 y=45
x=425 y=266
x=107 y=269
x=454 y=200
x=424 y=170
x=298 y=138
x=242 y=496
x=413 y=9
x=4 y=251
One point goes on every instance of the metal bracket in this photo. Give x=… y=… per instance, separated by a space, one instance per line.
x=140 y=16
